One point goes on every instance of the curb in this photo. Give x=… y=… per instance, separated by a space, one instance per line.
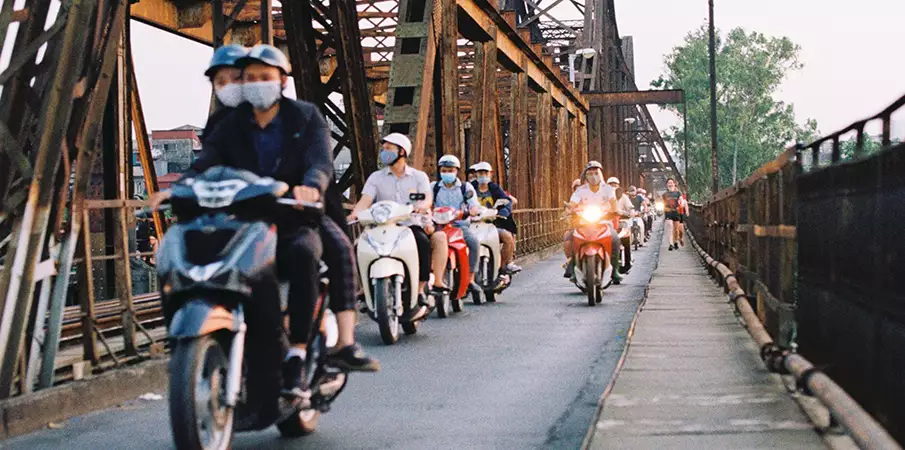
x=32 y=412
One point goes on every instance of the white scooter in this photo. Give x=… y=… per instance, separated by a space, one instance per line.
x=490 y=257
x=388 y=263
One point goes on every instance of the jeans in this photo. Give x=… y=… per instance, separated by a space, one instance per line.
x=298 y=258
x=423 y=241
x=474 y=246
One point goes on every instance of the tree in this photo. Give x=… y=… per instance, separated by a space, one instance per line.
x=752 y=124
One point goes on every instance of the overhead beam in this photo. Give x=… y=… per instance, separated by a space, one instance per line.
x=653 y=97
x=511 y=46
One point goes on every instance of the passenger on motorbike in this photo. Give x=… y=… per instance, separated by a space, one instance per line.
x=450 y=191
x=289 y=141
x=488 y=193
x=596 y=192
x=638 y=206
x=395 y=182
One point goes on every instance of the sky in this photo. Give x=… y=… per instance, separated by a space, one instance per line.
x=851 y=52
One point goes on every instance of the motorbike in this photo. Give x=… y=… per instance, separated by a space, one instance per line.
x=490 y=258
x=636 y=230
x=591 y=250
x=457 y=274
x=222 y=294
x=625 y=236
x=388 y=261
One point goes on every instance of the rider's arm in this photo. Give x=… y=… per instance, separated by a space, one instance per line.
x=368 y=194
x=472 y=201
x=499 y=193
x=317 y=153
x=425 y=187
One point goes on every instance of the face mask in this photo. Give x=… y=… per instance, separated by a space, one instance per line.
x=483 y=180
x=448 y=178
x=262 y=94
x=230 y=95
x=594 y=180
x=388 y=157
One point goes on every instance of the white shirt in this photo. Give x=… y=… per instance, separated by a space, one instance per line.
x=583 y=194
x=625 y=205
x=384 y=185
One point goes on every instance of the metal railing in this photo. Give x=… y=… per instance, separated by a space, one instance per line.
x=814 y=238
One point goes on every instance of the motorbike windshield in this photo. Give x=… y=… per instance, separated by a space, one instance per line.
x=221 y=186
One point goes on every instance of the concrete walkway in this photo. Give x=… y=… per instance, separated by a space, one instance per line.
x=692 y=377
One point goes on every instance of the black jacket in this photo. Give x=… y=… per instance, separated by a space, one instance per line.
x=306 y=158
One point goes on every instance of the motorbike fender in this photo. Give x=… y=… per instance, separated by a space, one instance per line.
x=386 y=267
x=198 y=318
x=593 y=249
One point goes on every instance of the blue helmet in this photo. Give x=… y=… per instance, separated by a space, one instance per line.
x=266 y=54
x=225 y=56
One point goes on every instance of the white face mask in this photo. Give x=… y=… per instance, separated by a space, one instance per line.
x=262 y=94
x=594 y=180
x=230 y=95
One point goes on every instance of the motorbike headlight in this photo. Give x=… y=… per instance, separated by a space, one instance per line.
x=444 y=217
x=592 y=214
x=381 y=213
x=659 y=206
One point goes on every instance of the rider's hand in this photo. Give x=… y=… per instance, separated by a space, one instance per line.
x=158 y=198
x=352 y=216
x=429 y=229
x=474 y=211
x=305 y=194
x=421 y=210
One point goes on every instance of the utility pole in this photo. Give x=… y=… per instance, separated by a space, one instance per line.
x=713 y=136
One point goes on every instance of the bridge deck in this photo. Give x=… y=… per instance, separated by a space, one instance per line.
x=692 y=377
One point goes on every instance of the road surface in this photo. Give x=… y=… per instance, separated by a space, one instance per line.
x=526 y=372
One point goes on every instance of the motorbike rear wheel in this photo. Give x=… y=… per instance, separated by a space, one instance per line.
x=198 y=370
x=300 y=424
x=387 y=320
x=482 y=279
x=591 y=282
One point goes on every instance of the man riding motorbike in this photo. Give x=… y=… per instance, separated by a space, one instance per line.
x=488 y=193
x=593 y=191
x=396 y=182
x=452 y=192
x=275 y=136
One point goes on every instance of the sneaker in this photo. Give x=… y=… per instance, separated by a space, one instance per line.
x=421 y=311
x=510 y=269
x=295 y=380
x=670 y=248
x=353 y=358
x=568 y=272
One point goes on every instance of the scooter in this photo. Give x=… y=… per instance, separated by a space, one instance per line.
x=592 y=247
x=636 y=229
x=388 y=260
x=215 y=264
x=457 y=274
x=490 y=258
x=625 y=236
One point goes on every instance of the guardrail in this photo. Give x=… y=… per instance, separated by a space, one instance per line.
x=814 y=238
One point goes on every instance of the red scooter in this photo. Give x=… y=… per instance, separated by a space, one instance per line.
x=457 y=274
x=591 y=250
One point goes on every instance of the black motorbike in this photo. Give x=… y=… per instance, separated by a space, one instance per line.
x=222 y=295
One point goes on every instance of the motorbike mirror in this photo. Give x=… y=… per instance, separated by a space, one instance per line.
x=417 y=196
x=501 y=203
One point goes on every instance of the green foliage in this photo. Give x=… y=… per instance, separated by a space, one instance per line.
x=750 y=67
x=870 y=146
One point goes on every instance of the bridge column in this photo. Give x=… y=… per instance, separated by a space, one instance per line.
x=544 y=148
x=519 y=151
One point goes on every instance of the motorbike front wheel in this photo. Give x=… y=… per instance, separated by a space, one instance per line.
x=199 y=418
x=591 y=280
x=387 y=320
x=482 y=279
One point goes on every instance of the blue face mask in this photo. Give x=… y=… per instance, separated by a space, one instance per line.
x=448 y=178
x=483 y=180
x=388 y=157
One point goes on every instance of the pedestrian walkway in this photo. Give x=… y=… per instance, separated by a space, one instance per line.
x=692 y=377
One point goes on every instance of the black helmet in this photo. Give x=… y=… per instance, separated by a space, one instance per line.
x=266 y=54
x=225 y=56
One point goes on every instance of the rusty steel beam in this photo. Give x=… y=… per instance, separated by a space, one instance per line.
x=630 y=98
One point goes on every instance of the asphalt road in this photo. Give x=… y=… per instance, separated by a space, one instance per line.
x=526 y=372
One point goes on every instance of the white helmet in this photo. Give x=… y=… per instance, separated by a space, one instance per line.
x=400 y=140
x=483 y=165
x=449 y=161
x=612 y=180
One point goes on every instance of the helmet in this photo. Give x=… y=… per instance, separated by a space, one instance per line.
x=483 y=165
x=400 y=140
x=593 y=165
x=632 y=189
x=225 y=56
x=612 y=180
x=449 y=161
x=266 y=54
